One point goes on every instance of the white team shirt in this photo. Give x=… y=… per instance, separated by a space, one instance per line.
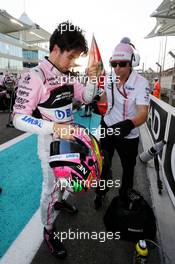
x=135 y=92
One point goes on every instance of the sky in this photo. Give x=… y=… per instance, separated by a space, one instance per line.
x=109 y=20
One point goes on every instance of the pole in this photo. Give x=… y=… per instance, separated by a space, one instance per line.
x=171 y=93
x=163 y=63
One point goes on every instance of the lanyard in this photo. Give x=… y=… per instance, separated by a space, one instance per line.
x=123 y=93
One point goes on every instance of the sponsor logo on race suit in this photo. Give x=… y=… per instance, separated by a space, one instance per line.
x=32 y=121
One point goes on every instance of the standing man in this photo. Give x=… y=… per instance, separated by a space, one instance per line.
x=44 y=106
x=128 y=100
x=156 y=91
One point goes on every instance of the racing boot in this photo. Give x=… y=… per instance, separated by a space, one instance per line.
x=54 y=245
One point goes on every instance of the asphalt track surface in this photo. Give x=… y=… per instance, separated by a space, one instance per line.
x=89 y=220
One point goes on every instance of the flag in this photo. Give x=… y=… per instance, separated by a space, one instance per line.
x=95 y=57
x=100 y=102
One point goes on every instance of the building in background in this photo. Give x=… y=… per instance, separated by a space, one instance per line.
x=165 y=27
x=22 y=43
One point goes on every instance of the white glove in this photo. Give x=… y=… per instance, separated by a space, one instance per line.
x=90 y=92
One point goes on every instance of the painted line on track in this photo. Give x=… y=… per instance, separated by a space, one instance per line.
x=14 y=141
x=26 y=244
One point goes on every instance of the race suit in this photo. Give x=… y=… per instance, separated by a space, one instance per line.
x=44 y=96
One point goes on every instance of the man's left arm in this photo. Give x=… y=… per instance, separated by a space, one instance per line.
x=128 y=124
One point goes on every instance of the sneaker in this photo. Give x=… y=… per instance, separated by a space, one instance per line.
x=65 y=206
x=54 y=245
x=98 y=201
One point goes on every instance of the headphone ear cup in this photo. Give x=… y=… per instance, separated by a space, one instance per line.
x=135 y=59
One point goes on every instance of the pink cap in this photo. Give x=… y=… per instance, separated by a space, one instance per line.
x=123 y=51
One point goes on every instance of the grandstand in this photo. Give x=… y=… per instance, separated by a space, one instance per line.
x=23 y=43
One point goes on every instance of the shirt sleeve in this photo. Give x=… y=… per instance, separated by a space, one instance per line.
x=31 y=124
x=143 y=95
x=28 y=94
x=78 y=91
x=28 y=97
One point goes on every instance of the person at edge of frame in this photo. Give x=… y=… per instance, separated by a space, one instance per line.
x=127 y=94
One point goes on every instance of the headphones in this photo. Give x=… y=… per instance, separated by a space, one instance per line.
x=135 y=59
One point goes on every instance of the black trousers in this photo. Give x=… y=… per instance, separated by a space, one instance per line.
x=127 y=150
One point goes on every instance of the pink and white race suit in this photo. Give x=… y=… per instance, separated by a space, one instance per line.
x=45 y=96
